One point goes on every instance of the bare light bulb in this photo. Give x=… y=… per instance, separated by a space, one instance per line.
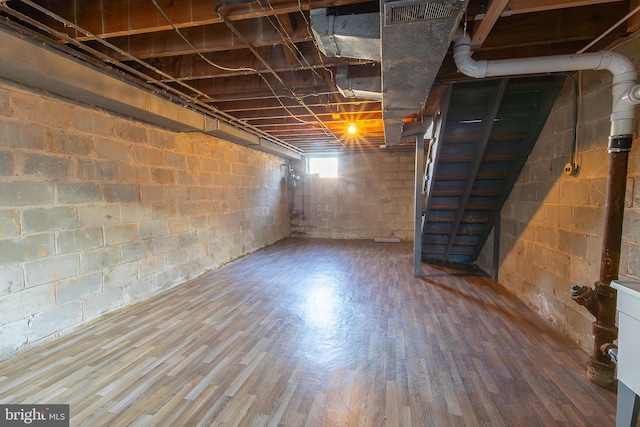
x=352 y=128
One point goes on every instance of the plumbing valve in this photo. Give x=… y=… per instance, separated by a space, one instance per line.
x=585 y=296
x=611 y=349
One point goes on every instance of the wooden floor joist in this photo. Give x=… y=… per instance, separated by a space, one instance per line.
x=312 y=332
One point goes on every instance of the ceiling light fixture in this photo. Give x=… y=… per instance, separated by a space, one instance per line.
x=352 y=128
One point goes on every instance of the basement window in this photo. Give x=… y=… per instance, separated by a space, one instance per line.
x=326 y=167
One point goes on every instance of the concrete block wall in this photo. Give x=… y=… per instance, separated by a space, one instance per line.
x=97 y=212
x=552 y=224
x=372 y=197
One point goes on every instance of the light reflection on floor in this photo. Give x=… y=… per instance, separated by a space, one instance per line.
x=327 y=319
x=321 y=305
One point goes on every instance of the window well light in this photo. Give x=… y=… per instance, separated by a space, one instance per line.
x=325 y=167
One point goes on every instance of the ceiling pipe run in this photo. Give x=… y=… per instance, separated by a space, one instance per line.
x=601 y=301
x=624 y=90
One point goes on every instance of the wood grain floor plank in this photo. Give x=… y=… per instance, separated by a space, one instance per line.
x=311 y=332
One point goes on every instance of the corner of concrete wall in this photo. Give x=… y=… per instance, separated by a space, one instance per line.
x=372 y=197
x=98 y=212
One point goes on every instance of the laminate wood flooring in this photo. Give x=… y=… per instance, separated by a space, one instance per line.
x=312 y=332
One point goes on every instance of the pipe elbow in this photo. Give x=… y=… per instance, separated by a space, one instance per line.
x=619 y=65
x=463 y=60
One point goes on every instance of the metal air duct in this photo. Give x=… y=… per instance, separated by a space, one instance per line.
x=410 y=39
x=363 y=87
x=347 y=36
x=415 y=38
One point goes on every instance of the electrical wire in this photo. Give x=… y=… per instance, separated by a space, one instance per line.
x=252 y=70
x=106 y=58
x=577 y=115
x=195 y=50
x=288 y=42
x=147 y=78
x=190 y=100
x=626 y=40
x=287 y=39
x=308 y=26
x=325 y=129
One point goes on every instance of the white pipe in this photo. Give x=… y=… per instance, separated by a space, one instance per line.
x=625 y=93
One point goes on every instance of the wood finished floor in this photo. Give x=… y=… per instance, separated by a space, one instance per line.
x=314 y=332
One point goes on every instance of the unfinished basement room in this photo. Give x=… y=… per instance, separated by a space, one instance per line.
x=315 y=213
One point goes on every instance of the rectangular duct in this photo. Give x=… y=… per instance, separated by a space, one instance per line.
x=410 y=38
x=416 y=35
x=347 y=36
x=363 y=87
x=218 y=128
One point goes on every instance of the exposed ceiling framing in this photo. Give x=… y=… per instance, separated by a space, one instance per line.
x=258 y=62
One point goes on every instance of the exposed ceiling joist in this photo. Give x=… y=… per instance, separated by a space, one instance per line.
x=130 y=17
x=239 y=63
x=529 y=6
x=209 y=38
x=495 y=9
x=634 y=21
x=279 y=31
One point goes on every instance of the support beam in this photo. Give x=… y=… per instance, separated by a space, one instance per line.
x=119 y=18
x=418 y=201
x=480 y=147
x=518 y=33
x=239 y=63
x=28 y=62
x=495 y=9
x=434 y=148
x=529 y=6
x=208 y=38
x=634 y=22
x=254 y=104
x=303 y=81
x=288 y=30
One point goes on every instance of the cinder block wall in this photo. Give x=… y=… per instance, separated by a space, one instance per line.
x=552 y=224
x=372 y=197
x=97 y=212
